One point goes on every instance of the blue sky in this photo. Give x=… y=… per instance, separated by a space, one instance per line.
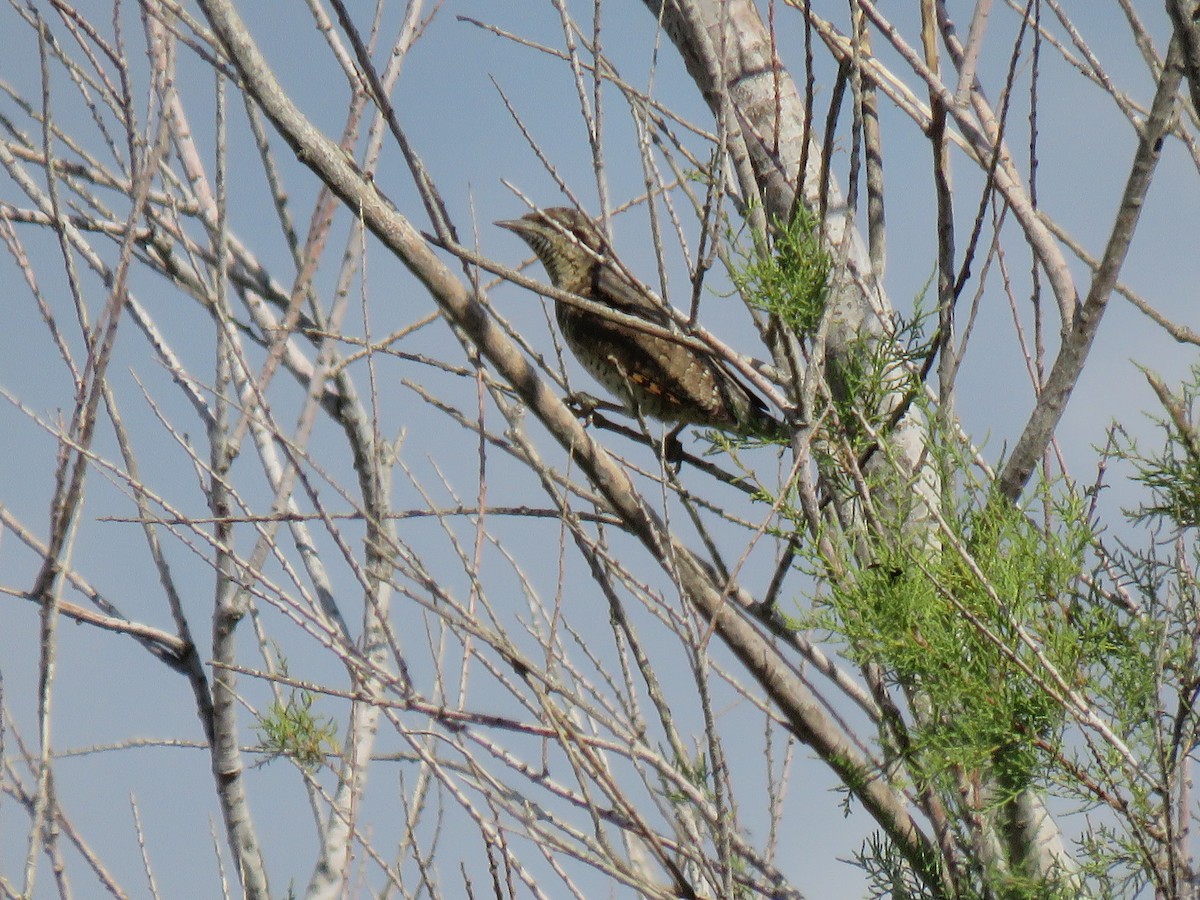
x=107 y=690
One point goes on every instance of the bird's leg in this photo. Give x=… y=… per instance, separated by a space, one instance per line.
x=584 y=405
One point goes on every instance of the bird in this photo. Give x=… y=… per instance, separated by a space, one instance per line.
x=652 y=374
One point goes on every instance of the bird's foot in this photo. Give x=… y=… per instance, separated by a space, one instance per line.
x=585 y=405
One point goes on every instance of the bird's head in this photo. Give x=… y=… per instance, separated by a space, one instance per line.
x=565 y=240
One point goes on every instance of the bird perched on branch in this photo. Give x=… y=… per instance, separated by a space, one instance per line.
x=663 y=378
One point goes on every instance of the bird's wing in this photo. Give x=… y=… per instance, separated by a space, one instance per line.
x=636 y=299
x=625 y=295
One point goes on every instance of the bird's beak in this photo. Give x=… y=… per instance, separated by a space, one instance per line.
x=515 y=225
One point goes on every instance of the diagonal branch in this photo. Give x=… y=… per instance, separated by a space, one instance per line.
x=1077 y=341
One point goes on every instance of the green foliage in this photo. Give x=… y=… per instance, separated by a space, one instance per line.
x=1146 y=680
x=979 y=630
x=290 y=728
x=1153 y=673
x=985 y=655
x=983 y=635
x=697 y=774
x=1173 y=473
x=889 y=877
x=790 y=279
x=862 y=380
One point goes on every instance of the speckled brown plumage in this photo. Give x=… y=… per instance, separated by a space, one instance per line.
x=664 y=379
